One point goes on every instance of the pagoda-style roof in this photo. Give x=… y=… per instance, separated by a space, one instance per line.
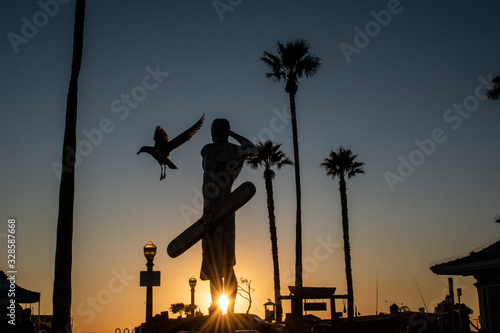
x=487 y=258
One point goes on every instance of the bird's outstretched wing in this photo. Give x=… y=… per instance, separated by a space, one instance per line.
x=160 y=137
x=186 y=135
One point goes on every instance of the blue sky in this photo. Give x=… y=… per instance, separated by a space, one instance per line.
x=418 y=78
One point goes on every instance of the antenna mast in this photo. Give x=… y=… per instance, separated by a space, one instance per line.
x=422 y=297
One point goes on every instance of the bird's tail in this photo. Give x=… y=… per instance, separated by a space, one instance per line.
x=170 y=164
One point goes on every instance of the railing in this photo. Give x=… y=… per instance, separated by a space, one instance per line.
x=125 y=330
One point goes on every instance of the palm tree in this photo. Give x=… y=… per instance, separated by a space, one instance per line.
x=494 y=93
x=61 y=297
x=269 y=156
x=292 y=62
x=341 y=164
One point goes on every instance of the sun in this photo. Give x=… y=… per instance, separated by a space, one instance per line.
x=223 y=302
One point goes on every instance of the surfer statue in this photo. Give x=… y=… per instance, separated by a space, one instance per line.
x=222 y=163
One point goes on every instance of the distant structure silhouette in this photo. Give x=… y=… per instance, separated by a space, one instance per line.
x=222 y=163
x=484 y=267
x=162 y=148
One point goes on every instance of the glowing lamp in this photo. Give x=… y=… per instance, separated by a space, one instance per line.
x=150 y=251
x=192 y=282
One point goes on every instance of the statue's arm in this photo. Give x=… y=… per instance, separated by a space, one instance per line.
x=247 y=147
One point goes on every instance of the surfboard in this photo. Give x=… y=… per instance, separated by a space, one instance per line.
x=234 y=201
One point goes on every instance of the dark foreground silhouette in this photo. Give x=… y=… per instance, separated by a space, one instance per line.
x=396 y=322
x=214 y=323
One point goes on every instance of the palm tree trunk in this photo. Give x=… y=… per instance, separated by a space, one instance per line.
x=347 y=249
x=298 y=225
x=297 y=301
x=61 y=298
x=274 y=244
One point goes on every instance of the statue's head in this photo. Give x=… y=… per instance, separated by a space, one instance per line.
x=220 y=129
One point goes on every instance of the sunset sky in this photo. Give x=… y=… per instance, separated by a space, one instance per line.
x=402 y=85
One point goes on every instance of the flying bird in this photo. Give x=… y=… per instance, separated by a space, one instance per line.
x=163 y=146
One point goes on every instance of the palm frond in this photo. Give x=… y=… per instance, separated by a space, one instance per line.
x=308 y=66
x=494 y=93
x=279 y=47
x=342 y=162
x=274 y=64
x=298 y=48
x=254 y=163
x=269 y=155
x=292 y=61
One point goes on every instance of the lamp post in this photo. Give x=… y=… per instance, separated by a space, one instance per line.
x=459 y=293
x=149 y=253
x=192 y=284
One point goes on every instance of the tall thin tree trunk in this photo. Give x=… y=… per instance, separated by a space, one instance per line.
x=298 y=224
x=274 y=244
x=297 y=301
x=61 y=298
x=347 y=248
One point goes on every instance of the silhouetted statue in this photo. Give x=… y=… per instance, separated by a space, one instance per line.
x=222 y=163
x=163 y=147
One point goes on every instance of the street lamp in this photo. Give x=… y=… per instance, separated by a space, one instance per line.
x=149 y=253
x=192 y=284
